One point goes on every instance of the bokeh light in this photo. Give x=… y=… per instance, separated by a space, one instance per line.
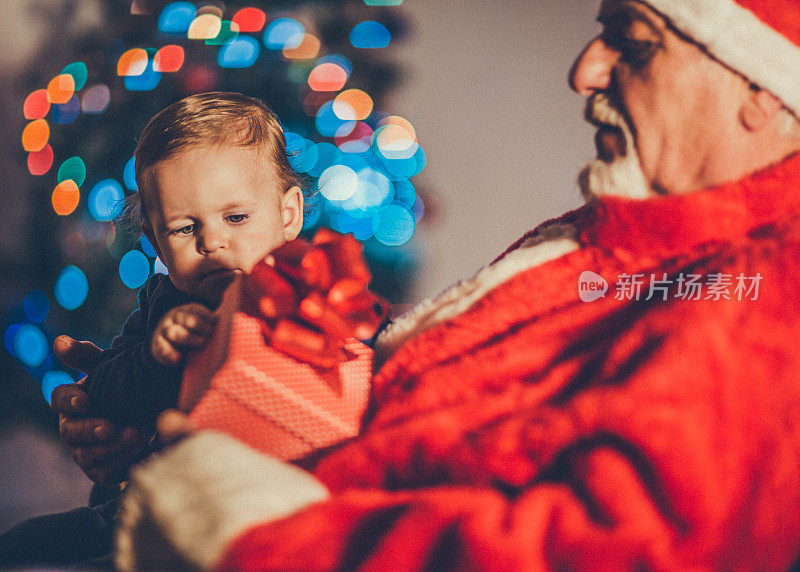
x=8 y=338
x=327 y=77
x=71 y=288
x=30 y=345
x=148 y=79
x=53 y=379
x=355 y=140
x=106 y=200
x=329 y=125
x=35 y=135
x=395 y=226
x=250 y=19
x=204 y=27
x=36 y=306
x=134 y=268
x=352 y=104
x=66 y=197
x=36 y=105
x=61 y=88
x=383 y=2
x=73 y=168
x=96 y=99
x=338 y=183
x=284 y=33
x=79 y=73
x=240 y=53
x=129 y=175
x=370 y=34
x=147 y=248
x=168 y=59
x=307 y=50
x=159 y=268
x=39 y=162
x=228 y=32
x=132 y=63
x=66 y=112
x=176 y=17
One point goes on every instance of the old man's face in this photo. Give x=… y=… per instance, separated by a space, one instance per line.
x=680 y=105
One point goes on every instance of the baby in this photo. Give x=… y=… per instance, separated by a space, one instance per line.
x=216 y=195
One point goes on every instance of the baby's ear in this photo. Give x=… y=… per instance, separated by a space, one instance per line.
x=292 y=212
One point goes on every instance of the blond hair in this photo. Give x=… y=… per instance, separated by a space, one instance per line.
x=208 y=119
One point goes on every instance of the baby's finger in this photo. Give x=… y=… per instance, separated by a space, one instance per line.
x=163 y=351
x=179 y=335
x=69 y=399
x=196 y=318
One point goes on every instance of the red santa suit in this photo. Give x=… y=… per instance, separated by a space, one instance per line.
x=516 y=426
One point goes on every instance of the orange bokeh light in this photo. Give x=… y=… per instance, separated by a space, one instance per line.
x=307 y=50
x=61 y=88
x=36 y=105
x=168 y=59
x=132 y=63
x=66 y=197
x=35 y=135
x=249 y=19
x=352 y=105
x=327 y=77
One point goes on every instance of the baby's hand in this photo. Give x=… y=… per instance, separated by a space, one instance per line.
x=183 y=327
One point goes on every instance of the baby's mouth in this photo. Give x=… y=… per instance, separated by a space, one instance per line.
x=220 y=274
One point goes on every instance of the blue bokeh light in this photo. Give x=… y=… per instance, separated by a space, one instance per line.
x=30 y=345
x=129 y=175
x=327 y=155
x=53 y=379
x=239 y=53
x=106 y=200
x=328 y=123
x=284 y=33
x=134 y=268
x=370 y=34
x=9 y=336
x=404 y=193
x=176 y=18
x=71 y=288
x=339 y=60
x=36 y=306
x=395 y=226
x=147 y=248
x=64 y=113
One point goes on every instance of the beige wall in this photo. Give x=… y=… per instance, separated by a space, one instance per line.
x=504 y=135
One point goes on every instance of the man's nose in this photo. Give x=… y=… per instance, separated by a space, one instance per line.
x=211 y=240
x=592 y=71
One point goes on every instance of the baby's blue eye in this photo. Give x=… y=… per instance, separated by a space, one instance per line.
x=188 y=229
x=237 y=218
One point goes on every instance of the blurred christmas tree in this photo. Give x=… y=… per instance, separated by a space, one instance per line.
x=323 y=66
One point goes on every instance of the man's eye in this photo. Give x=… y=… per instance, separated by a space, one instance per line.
x=234 y=218
x=188 y=229
x=637 y=53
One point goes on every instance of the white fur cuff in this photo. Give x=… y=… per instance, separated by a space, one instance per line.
x=182 y=507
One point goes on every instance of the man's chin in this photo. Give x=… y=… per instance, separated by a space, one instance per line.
x=621 y=177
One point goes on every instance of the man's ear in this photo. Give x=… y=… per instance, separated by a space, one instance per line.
x=147 y=229
x=292 y=212
x=759 y=109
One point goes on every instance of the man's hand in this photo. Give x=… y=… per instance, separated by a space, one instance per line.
x=183 y=327
x=99 y=449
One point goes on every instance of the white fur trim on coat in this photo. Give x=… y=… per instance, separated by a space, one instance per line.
x=182 y=507
x=740 y=40
x=549 y=243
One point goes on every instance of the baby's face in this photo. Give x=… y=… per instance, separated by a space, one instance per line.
x=215 y=213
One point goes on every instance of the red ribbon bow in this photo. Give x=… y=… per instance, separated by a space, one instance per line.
x=312 y=296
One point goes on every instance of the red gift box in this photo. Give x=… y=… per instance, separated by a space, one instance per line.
x=275 y=403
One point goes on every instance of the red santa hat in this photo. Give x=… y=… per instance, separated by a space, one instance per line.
x=758 y=38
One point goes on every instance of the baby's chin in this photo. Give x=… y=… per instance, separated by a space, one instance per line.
x=212 y=288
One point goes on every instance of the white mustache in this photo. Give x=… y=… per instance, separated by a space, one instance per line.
x=600 y=111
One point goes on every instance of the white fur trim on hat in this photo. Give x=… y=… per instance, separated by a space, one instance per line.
x=739 y=39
